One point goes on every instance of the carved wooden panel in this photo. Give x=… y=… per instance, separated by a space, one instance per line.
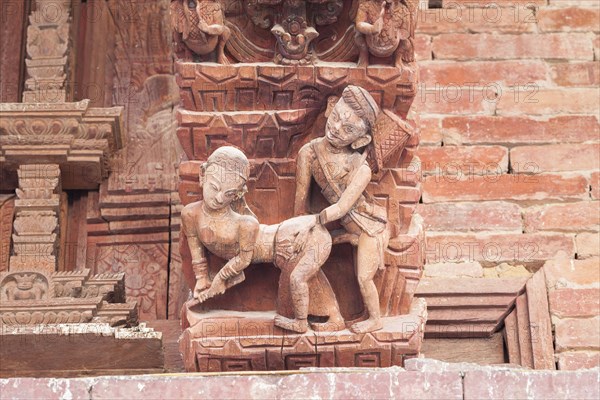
x=145 y=274
x=12 y=48
x=127 y=60
x=7 y=210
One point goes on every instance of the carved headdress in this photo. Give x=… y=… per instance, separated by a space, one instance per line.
x=389 y=132
x=363 y=104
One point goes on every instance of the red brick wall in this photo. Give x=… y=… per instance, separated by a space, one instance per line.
x=511 y=150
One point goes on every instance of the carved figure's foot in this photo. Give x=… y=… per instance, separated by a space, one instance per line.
x=370 y=325
x=222 y=59
x=295 y=325
x=363 y=61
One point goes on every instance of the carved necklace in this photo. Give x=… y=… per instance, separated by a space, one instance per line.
x=214 y=221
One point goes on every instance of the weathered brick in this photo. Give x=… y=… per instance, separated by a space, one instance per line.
x=484 y=73
x=568 y=217
x=476 y=20
x=566 y=273
x=573 y=303
x=576 y=74
x=572 y=3
x=573 y=360
x=454 y=270
x=431 y=131
x=511 y=384
x=535 y=101
x=495 y=248
x=564 y=46
x=571 y=19
x=557 y=157
x=433 y=98
x=595 y=183
x=481 y=216
x=523 y=4
x=520 y=130
x=543 y=187
x=471 y=160
x=572 y=334
x=588 y=245
x=423 y=47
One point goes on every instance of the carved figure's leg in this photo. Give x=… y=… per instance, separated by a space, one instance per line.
x=312 y=249
x=405 y=53
x=221 y=58
x=363 y=55
x=368 y=260
x=324 y=303
x=305 y=269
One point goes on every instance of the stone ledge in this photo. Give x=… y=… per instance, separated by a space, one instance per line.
x=430 y=379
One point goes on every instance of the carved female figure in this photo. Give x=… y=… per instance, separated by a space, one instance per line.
x=223 y=224
x=340 y=169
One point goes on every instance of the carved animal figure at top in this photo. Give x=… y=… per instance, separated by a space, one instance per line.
x=201 y=24
x=386 y=28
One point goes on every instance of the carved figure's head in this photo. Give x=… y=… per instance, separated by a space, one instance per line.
x=224 y=176
x=24 y=281
x=352 y=119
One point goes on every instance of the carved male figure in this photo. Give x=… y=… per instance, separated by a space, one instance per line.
x=340 y=169
x=223 y=224
x=201 y=24
x=386 y=28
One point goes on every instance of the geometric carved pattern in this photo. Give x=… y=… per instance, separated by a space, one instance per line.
x=223 y=341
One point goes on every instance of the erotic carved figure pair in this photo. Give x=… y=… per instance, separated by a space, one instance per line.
x=223 y=224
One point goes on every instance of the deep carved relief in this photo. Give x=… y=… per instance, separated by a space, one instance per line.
x=386 y=28
x=293 y=34
x=281 y=116
x=201 y=24
x=24 y=286
x=47 y=47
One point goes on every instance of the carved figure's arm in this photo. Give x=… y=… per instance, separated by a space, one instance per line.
x=248 y=235
x=199 y=262
x=213 y=29
x=365 y=27
x=303 y=176
x=348 y=199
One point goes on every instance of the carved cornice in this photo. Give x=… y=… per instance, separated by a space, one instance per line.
x=72 y=135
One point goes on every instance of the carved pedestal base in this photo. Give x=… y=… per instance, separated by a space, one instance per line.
x=219 y=341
